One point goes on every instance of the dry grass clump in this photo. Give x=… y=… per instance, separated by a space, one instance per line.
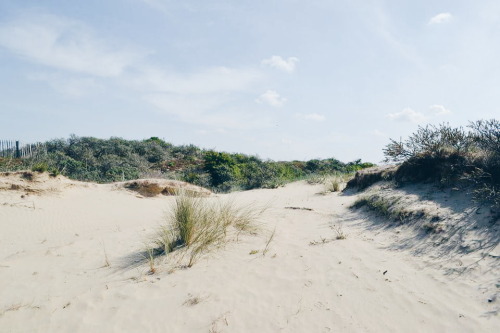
x=336 y=182
x=395 y=208
x=367 y=177
x=339 y=231
x=147 y=189
x=387 y=207
x=155 y=187
x=200 y=225
x=315 y=179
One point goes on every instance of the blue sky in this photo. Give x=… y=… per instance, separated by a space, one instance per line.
x=282 y=79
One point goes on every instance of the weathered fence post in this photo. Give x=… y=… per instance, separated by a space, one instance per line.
x=18 y=152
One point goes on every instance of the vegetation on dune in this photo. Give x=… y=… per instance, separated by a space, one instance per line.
x=452 y=157
x=200 y=225
x=116 y=159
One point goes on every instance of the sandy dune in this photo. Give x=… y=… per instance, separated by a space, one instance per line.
x=54 y=278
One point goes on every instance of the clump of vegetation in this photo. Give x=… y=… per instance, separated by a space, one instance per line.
x=200 y=225
x=40 y=167
x=339 y=232
x=8 y=164
x=116 y=159
x=145 y=188
x=367 y=177
x=396 y=209
x=387 y=207
x=27 y=175
x=452 y=157
x=336 y=182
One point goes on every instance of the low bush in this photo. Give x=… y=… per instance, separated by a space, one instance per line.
x=452 y=157
x=40 y=167
x=116 y=159
x=365 y=178
x=11 y=164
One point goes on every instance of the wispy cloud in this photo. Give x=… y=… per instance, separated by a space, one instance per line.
x=272 y=98
x=441 y=18
x=80 y=61
x=439 y=110
x=408 y=115
x=205 y=81
x=65 y=44
x=211 y=96
x=286 y=65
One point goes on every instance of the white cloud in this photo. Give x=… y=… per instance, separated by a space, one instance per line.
x=278 y=62
x=408 y=115
x=272 y=98
x=439 y=110
x=441 y=18
x=209 y=80
x=207 y=97
x=64 y=44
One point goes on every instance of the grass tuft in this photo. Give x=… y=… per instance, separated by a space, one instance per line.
x=336 y=182
x=339 y=232
x=200 y=225
x=386 y=207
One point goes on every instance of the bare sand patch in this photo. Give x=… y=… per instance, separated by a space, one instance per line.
x=61 y=269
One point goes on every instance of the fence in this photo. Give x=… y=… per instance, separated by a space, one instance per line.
x=16 y=149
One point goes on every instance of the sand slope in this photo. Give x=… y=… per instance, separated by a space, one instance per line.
x=54 y=277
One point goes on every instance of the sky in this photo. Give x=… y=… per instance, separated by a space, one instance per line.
x=280 y=79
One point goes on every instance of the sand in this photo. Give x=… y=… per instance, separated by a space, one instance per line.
x=68 y=255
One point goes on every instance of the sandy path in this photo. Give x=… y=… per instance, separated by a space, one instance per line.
x=53 y=278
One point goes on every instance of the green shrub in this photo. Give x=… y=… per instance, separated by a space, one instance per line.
x=40 y=167
x=116 y=159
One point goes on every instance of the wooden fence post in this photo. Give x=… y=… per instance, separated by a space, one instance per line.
x=18 y=152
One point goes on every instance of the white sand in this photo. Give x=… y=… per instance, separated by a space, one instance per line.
x=53 y=276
